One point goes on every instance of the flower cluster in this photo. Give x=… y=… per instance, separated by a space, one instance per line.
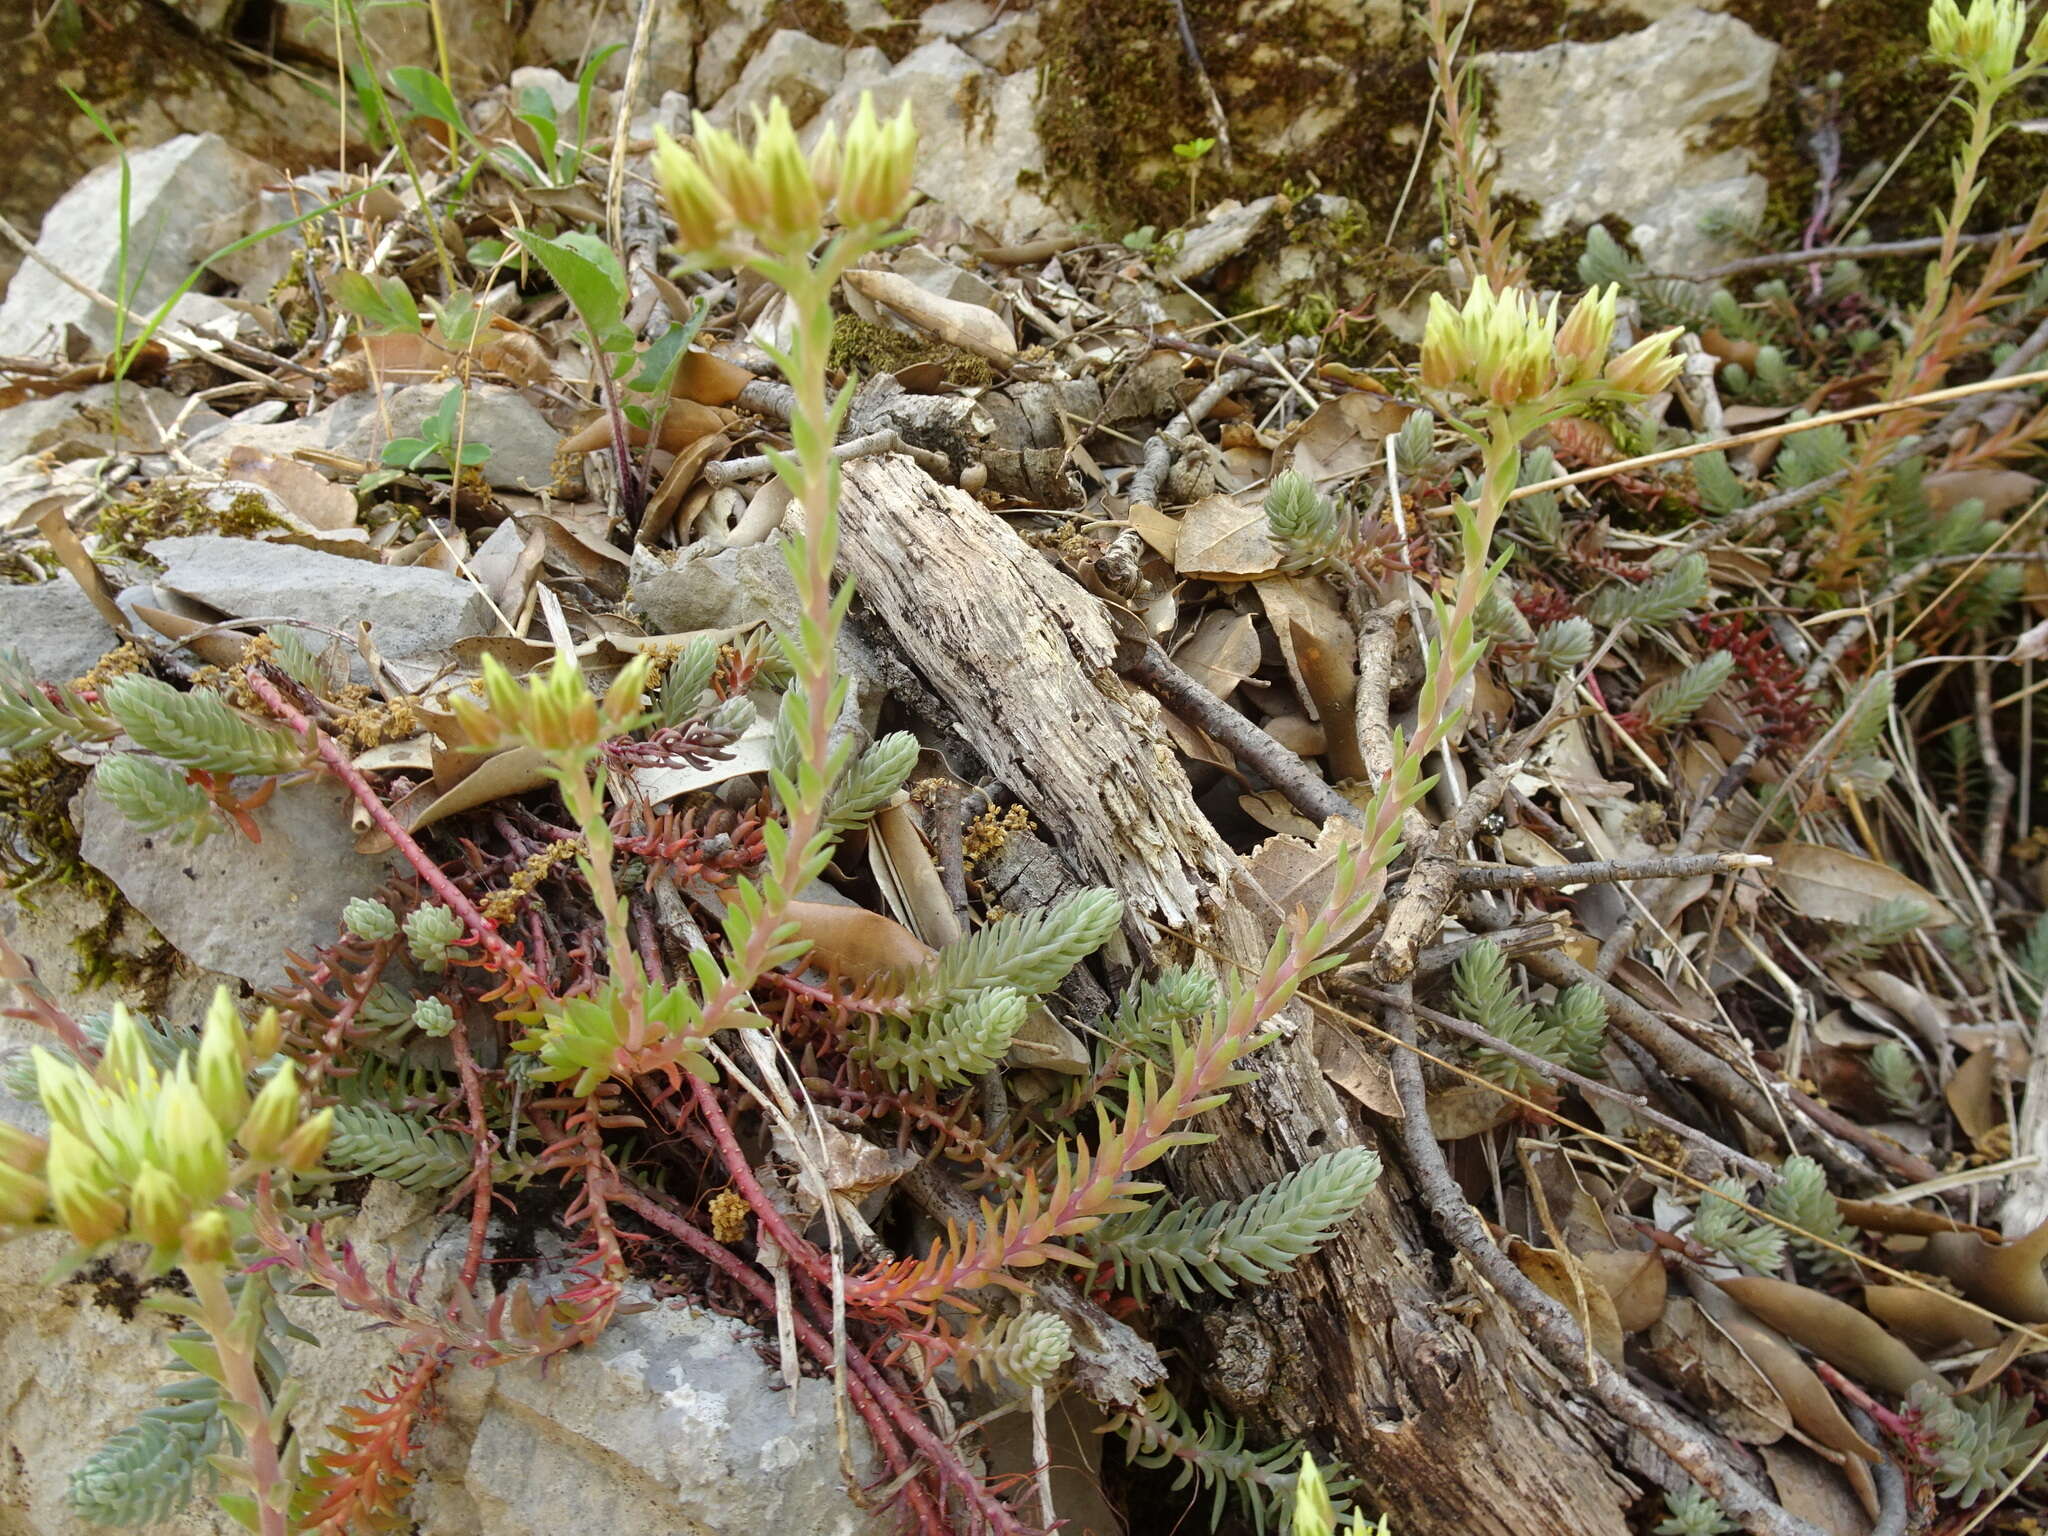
x=140 y=1153
x=553 y=711
x=776 y=192
x=1503 y=349
x=1984 y=42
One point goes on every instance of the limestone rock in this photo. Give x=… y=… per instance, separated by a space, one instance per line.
x=415 y=612
x=791 y=66
x=521 y=439
x=83 y=424
x=232 y=905
x=979 y=154
x=670 y=1422
x=55 y=627
x=187 y=198
x=1626 y=128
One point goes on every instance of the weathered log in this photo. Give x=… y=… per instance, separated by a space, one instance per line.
x=1456 y=1427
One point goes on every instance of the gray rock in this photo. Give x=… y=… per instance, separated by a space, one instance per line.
x=792 y=66
x=669 y=1423
x=1229 y=228
x=81 y=424
x=979 y=154
x=1624 y=128
x=232 y=905
x=415 y=613
x=55 y=627
x=704 y=588
x=187 y=198
x=521 y=440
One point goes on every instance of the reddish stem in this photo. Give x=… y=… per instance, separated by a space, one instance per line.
x=871 y=1394
x=482 y=1145
x=504 y=955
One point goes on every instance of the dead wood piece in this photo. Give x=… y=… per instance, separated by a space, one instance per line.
x=1509 y=877
x=1553 y=1328
x=1456 y=1435
x=1433 y=883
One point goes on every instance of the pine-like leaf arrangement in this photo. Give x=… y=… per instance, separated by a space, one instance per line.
x=1562 y=645
x=1976 y=1443
x=1304 y=523
x=875 y=775
x=1801 y=1199
x=1693 y=1513
x=369 y=1138
x=198 y=729
x=1677 y=699
x=1486 y=995
x=1580 y=1017
x=1177 y=1250
x=953 y=1044
x=1668 y=595
x=1898 y=1078
x=1024 y=1350
x=30 y=718
x=1027 y=953
x=156 y=799
x=1159 y=1433
x=144 y=1475
x=1890 y=922
x=1150 y=1014
x=1734 y=1234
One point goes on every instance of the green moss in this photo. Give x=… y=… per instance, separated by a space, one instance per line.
x=168 y=512
x=1888 y=91
x=39 y=851
x=23 y=567
x=860 y=346
x=1119 y=93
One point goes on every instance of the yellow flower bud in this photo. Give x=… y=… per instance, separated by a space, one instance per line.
x=20 y=1149
x=304 y=1148
x=1647 y=367
x=621 y=711
x=193 y=1146
x=273 y=1116
x=1984 y=42
x=875 y=172
x=733 y=172
x=222 y=1072
x=67 y=1094
x=704 y=219
x=157 y=1208
x=825 y=161
x=83 y=1192
x=1583 y=340
x=795 y=210
x=207 y=1238
x=23 y=1196
x=125 y=1063
x=1442 y=355
x=266 y=1037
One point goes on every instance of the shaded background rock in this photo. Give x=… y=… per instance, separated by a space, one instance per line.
x=415 y=612
x=232 y=905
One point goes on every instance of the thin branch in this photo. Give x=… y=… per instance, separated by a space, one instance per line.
x=1551 y=1327
x=1159 y=448
x=1779 y=429
x=1636 y=1104
x=1548 y=877
x=888 y=440
x=1282 y=768
x=1927 y=245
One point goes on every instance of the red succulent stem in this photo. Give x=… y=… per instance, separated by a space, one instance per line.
x=502 y=954
x=482 y=1145
x=889 y=1418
